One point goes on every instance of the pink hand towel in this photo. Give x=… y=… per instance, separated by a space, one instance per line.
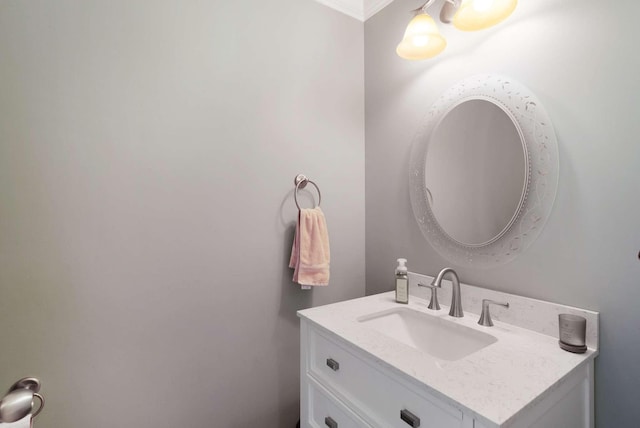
x=26 y=422
x=310 y=253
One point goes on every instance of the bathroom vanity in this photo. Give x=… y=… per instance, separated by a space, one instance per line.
x=372 y=362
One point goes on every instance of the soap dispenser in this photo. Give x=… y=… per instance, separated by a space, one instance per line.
x=402 y=282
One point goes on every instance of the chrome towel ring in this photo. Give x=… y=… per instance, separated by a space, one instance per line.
x=301 y=182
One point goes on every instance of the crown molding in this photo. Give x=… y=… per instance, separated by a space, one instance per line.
x=358 y=9
x=353 y=8
x=371 y=7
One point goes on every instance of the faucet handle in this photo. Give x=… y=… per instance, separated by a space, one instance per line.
x=485 y=316
x=433 y=304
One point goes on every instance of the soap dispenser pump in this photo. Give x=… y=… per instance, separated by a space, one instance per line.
x=402 y=282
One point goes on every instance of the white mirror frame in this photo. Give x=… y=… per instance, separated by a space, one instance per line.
x=541 y=149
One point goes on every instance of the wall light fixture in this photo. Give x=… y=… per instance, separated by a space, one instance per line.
x=422 y=39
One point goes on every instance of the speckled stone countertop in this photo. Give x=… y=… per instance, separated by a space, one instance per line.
x=494 y=384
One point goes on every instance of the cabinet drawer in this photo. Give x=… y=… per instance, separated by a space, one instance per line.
x=378 y=398
x=327 y=412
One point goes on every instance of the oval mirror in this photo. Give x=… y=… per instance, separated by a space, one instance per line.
x=484 y=169
x=475 y=153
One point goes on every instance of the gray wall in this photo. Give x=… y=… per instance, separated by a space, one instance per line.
x=147 y=157
x=580 y=58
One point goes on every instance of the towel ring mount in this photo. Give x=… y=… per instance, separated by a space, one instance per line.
x=301 y=182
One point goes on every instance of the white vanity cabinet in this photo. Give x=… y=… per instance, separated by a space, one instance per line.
x=361 y=392
x=352 y=376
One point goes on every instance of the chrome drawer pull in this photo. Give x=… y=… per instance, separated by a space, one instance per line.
x=330 y=422
x=333 y=364
x=410 y=418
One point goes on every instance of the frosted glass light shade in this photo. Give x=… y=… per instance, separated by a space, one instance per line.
x=421 y=39
x=480 y=14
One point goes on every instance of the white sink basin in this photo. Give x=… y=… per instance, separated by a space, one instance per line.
x=438 y=337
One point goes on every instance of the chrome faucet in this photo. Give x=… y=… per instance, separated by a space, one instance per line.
x=456 y=301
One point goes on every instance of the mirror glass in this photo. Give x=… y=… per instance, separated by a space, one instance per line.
x=475 y=172
x=484 y=171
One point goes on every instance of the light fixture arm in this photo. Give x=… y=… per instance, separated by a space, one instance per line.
x=449 y=8
x=424 y=7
